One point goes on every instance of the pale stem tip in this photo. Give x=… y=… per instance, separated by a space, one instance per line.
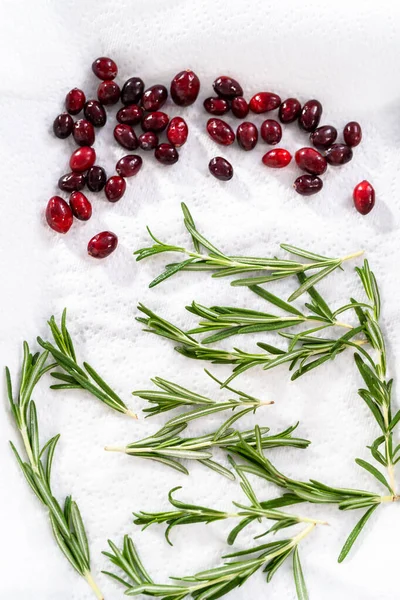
x=114 y=449
x=354 y=255
x=131 y=414
x=89 y=578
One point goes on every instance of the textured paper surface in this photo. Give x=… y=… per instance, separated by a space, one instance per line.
x=345 y=54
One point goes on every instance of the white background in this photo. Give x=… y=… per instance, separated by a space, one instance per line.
x=344 y=53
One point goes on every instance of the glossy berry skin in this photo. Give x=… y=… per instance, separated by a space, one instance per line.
x=166 y=154
x=216 y=106
x=185 y=88
x=63 y=125
x=125 y=136
x=278 y=158
x=352 y=134
x=310 y=115
x=240 y=107
x=323 y=137
x=82 y=159
x=108 y=92
x=83 y=133
x=307 y=185
x=148 y=141
x=132 y=91
x=289 y=110
x=95 y=113
x=247 y=135
x=177 y=132
x=220 y=132
x=130 y=115
x=115 y=188
x=227 y=87
x=129 y=165
x=310 y=160
x=154 y=97
x=102 y=244
x=156 y=121
x=80 y=206
x=59 y=215
x=264 y=102
x=96 y=178
x=339 y=154
x=72 y=182
x=75 y=101
x=105 y=68
x=364 y=197
x=271 y=132
x=220 y=168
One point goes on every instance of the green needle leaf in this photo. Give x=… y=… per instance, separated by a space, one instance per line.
x=301 y=588
x=355 y=533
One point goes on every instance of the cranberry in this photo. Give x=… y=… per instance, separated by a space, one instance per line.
x=84 y=133
x=289 y=110
x=72 y=182
x=166 y=154
x=339 y=154
x=220 y=168
x=155 y=121
x=352 y=134
x=240 y=107
x=148 y=140
x=105 y=68
x=95 y=113
x=310 y=160
x=130 y=115
x=323 y=137
x=126 y=137
x=129 y=165
x=185 y=88
x=271 y=131
x=277 y=158
x=80 y=206
x=310 y=115
x=115 y=188
x=264 y=102
x=96 y=178
x=59 y=215
x=102 y=244
x=364 y=197
x=108 y=92
x=220 y=132
x=154 y=97
x=247 y=135
x=63 y=125
x=307 y=185
x=227 y=88
x=74 y=101
x=82 y=159
x=132 y=91
x=216 y=106
x=177 y=132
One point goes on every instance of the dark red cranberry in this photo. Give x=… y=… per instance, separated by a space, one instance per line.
x=264 y=102
x=132 y=91
x=166 y=154
x=310 y=115
x=115 y=188
x=84 y=133
x=82 y=159
x=247 y=135
x=96 y=178
x=307 y=185
x=63 y=125
x=271 y=131
x=155 y=121
x=59 y=215
x=177 y=132
x=74 y=101
x=220 y=132
x=148 y=140
x=154 y=97
x=185 y=88
x=352 y=134
x=102 y=244
x=339 y=154
x=220 y=168
x=277 y=158
x=216 y=106
x=72 y=182
x=80 y=206
x=323 y=137
x=108 y=92
x=289 y=110
x=240 y=107
x=130 y=115
x=129 y=165
x=125 y=136
x=364 y=197
x=95 y=113
x=105 y=68
x=227 y=87
x=310 y=160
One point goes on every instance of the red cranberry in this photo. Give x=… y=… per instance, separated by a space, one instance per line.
x=352 y=134
x=72 y=182
x=148 y=140
x=80 y=206
x=185 y=88
x=310 y=115
x=289 y=110
x=95 y=113
x=166 y=154
x=130 y=115
x=310 y=160
x=126 y=137
x=220 y=168
x=84 y=133
x=177 y=132
x=339 y=154
x=154 y=97
x=129 y=165
x=96 y=178
x=82 y=159
x=59 y=215
x=227 y=88
x=323 y=137
x=115 y=188
x=216 y=106
x=74 y=101
x=220 y=132
x=102 y=244
x=240 y=107
x=271 y=131
x=364 y=197
x=132 y=91
x=247 y=135
x=105 y=68
x=264 y=102
x=63 y=125
x=108 y=92
x=155 y=121
x=307 y=185
x=277 y=158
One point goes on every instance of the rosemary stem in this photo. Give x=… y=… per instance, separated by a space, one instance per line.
x=129 y=413
x=354 y=255
x=28 y=449
x=390 y=466
x=89 y=578
x=115 y=449
x=345 y=325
